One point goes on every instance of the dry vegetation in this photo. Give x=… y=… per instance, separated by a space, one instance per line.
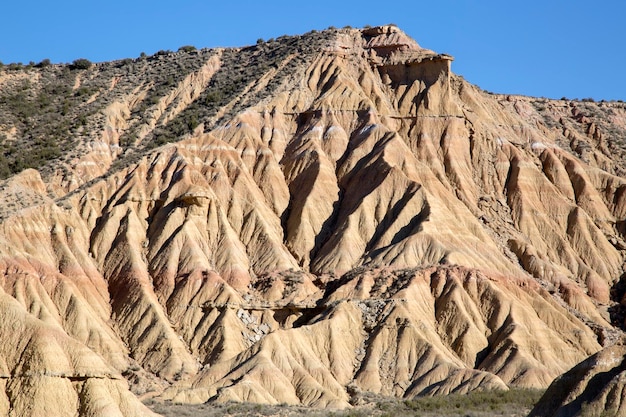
x=595 y=119
x=47 y=111
x=516 y=402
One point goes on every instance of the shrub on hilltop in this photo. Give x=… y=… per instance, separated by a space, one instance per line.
x=81 y=64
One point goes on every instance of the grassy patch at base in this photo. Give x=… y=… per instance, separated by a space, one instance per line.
x=516 y=402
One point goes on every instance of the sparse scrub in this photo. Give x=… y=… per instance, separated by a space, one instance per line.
x=52 y=119
x=15 y=66
x=239 y=69
x=47 y=115
x=478 y=404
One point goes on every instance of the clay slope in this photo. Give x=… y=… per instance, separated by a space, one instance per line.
x=46 y=372
x=593 y=387
x=375 y=224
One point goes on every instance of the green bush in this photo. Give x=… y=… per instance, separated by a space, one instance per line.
x=44 y=63
x=16 y=66
x=187 y=48
x=81 y=64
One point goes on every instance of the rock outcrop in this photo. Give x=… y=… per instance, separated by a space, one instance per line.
x=375 y=224
x=592 y=388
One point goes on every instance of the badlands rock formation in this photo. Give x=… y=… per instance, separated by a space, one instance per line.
x=592 y=388
x=347 y=216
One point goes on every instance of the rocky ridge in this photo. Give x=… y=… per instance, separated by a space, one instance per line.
x=374 y=224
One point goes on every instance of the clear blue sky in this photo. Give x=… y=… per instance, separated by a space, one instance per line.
x=550 y=48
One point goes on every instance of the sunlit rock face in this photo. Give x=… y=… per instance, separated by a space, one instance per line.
x=375 y=224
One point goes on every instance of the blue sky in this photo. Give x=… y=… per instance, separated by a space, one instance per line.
x=549 y=48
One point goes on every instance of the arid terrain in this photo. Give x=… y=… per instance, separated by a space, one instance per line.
x=305 y=222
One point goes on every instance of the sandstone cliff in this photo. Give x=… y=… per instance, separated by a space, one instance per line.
x=342 y=213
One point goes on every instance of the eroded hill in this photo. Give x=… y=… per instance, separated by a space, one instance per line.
x=301 y=220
